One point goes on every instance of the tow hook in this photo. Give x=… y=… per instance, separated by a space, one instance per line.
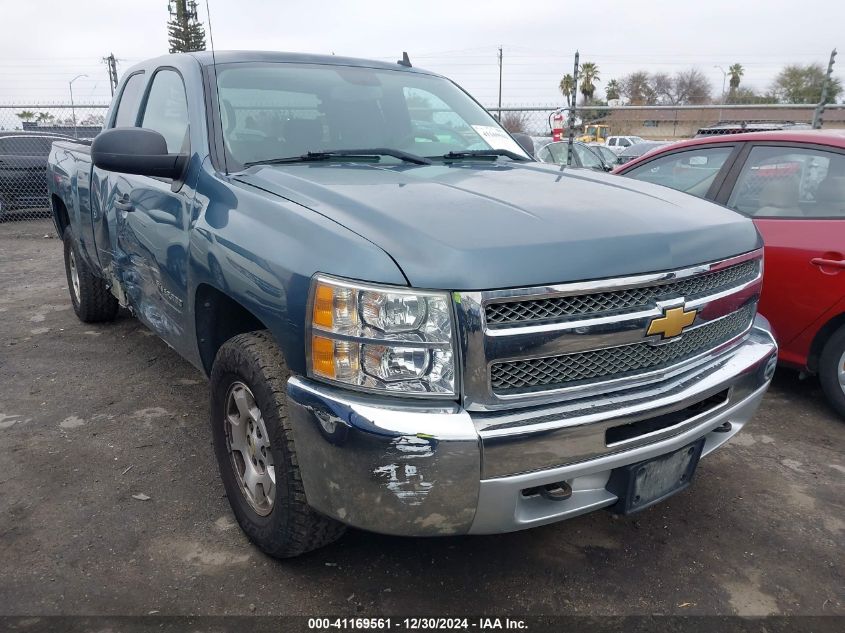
x=558 y=491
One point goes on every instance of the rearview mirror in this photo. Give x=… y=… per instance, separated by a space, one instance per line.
x=136 y=150
x=525 y=142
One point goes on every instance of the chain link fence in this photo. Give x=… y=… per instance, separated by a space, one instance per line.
x=664 y=123
x=26 y=134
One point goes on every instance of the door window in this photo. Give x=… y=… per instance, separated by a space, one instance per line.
x=553 y=153
x=624 y=142
x=612 y=142
x=692 y=171
x=791 y=182
x=130 y=99
x=166 y=110
x=587 y=157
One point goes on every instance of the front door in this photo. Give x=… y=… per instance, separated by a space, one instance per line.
x=153 y=216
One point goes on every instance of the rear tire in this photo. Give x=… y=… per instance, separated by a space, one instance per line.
x=91 y=298
x=832 y=370
x=280 y=523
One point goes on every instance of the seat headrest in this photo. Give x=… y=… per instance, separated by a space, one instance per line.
x=303 y=135
x=780 y=192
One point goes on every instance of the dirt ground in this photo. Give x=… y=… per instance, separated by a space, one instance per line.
x=92 y=415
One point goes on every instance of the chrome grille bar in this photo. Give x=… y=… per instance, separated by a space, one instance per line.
x=615 y=362
x=618 y=301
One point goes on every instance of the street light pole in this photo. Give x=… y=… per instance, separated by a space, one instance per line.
x=724 y=79
x=72 y=107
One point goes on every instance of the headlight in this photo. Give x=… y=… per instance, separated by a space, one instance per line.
x=381 y=338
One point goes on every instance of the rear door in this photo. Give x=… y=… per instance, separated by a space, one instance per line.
x=107 y=187
x=796 y=196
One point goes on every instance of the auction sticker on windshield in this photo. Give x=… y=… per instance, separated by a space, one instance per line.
x=497 y=138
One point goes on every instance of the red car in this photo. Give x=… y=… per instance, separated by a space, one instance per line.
x=792 y=184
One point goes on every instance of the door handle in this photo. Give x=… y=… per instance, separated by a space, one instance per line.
x=832 y=263
x=123 y=204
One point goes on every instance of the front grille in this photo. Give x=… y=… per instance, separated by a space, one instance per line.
x=628 y=300
x=616 y=362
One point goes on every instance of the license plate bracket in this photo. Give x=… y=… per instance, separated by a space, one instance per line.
x=641 y=485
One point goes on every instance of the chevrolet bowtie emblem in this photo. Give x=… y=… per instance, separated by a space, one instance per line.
x=672 y=323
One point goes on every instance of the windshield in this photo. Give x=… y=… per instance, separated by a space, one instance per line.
x=276 y=110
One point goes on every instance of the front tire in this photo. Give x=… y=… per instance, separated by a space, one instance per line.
x=255 y=450
x=92 y=301
x=832 y=370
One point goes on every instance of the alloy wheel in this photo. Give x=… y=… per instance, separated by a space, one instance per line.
x=249 y=448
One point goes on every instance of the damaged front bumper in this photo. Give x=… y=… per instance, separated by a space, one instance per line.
x=418 y=469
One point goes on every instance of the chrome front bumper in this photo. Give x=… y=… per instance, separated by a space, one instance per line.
x=419 y=469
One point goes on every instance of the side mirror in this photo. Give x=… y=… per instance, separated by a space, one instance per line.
x=525 y=142
x=136 y=150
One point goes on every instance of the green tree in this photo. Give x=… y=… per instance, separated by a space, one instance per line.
x=185 y=33
x=589 y=75
x=44 y=117
x=566 y=85
x=736 y=71
x=612 y=89
x=797 y=83
x=26 y=115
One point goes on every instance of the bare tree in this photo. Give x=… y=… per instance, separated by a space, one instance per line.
x=515 y=121
x=683 y=88
x=692 y=87
x=637 y=89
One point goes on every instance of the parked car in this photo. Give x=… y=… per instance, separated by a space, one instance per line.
x=607 y=155
x=377 y=310
x=792 y=184
x=582 y=155
x=739 y=127
x=619 y=143
x=23 y=168
x=635 y=151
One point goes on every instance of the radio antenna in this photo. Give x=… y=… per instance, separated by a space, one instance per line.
x=217 y=89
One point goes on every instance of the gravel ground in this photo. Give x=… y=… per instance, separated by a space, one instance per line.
x=92 y=415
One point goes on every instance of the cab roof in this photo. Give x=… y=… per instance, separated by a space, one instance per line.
x=206 y=58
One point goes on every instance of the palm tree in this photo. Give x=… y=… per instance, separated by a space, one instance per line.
x=612 y=89
x=26 y=115
x=44 y=117
x=566 y=86
x=589 y=75
x=735 y=71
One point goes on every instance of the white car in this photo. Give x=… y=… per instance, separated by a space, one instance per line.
x=619 y=143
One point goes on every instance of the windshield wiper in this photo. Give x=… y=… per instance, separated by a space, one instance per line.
x=471 y=153
x=344 y=153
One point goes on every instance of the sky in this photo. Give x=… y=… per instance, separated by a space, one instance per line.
x=46 y=43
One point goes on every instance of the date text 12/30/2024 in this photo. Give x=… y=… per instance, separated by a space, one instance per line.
x=417 y=624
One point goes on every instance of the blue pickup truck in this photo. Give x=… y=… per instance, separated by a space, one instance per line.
x=409 y=326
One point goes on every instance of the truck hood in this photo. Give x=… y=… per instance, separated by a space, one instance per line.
x=471 y=226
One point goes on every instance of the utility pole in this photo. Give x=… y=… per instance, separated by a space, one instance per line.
x=818 y=115
x=111 y=65
x=572 y=110
x=500 y=83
